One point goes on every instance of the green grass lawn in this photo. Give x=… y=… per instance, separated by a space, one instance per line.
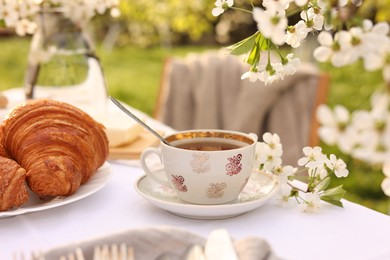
x=13 y=61
x=133 y=75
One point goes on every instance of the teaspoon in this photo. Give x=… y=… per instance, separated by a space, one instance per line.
x=139 y=121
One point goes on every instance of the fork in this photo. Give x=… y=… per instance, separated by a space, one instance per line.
x=35 y=255
x=195 y=252
x=113 y=252
x=105 y=252
x=76 y=255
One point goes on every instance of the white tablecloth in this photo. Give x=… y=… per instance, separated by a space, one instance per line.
x=354 y=232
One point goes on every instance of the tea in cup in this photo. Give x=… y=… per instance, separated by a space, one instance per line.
x=204 y=166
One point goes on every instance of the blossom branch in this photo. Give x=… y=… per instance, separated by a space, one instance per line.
x=344 y=48
x=316 y=165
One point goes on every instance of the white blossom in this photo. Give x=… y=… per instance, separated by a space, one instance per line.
x=296 y=34
x=385 y=185
x=269 y=152
x=283 y=173
x=272 y=73
x=313 y=19
x=272 y=140
x=115 y=12
x=300 y=2
x=278 y=7
x=311 y=204
x=342 y=3
x=221 y=6
x=338 y=166
x=378 y=45
x=386 y=73
x=353 y=44
x=333 y=123
x=330 y=49
x=253 y=75
x=9 y=13
x=271 y=24
x=283 y=197
x=25 y=26
x=267 y=157
x=314 y=157
x=386 y=181
x=21 y=14
x=349 y=139
x=291 y=66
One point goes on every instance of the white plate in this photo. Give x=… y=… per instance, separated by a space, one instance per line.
x=260 y=188
x=95 y=183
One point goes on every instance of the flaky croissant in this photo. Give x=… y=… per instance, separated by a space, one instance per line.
x=13 y=191
x=58 y=145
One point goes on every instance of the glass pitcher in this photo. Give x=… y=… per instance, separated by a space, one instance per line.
x=62 y=64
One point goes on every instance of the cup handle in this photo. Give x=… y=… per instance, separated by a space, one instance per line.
x=152 y=174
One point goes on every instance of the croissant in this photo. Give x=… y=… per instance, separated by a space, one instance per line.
x=58 y=145
x=13 y=191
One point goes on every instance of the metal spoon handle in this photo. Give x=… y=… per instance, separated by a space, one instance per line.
x=139 y=121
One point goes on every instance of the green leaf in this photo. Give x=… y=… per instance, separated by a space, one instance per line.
x=253 y=56
x=333 y=202
x=323 y=184
x=263 y=43
x=243 y=46
x=336 y=193
x=301 y=178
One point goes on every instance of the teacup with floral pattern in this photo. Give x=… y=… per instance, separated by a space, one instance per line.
x=204 y=166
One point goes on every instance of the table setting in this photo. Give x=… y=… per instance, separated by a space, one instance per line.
x=172 y=244
x=353 y=232
x=86 y=176
x=122 y=204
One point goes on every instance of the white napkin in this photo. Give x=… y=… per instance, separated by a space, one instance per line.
x=219 y=246
x=152 y=243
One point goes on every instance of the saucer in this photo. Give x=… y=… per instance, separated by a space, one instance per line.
x=260 y=188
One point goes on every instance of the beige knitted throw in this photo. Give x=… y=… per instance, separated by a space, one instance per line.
x=206 y=91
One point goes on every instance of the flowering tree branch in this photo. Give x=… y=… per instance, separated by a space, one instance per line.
x=343 y=40
x=317 y=168
x=360 y=40
x=21 y=15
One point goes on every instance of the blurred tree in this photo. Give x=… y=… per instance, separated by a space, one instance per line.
x=377 y=10
x=172 y=22
x=149 y=22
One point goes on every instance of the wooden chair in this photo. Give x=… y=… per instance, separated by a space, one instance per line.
x=205 y=91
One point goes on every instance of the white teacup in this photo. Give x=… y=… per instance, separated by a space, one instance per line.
x=204 y=166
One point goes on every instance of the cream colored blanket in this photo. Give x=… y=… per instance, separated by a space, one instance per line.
x=205 y=91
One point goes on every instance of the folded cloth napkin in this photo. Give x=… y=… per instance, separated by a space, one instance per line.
x=154 y=242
